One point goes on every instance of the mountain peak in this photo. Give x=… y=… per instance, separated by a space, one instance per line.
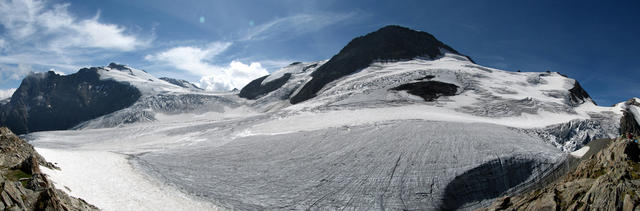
x=411 y=40
x=389 y=43
x=116 y=66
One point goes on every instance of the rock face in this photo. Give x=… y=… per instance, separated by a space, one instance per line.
x=69 y=100
x=577 y=95
x=256 y=89
x=608 y=180
x=23 y=186
x=629 y=122
x=390 y=43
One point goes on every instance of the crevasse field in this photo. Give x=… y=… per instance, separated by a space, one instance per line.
x=357 y=145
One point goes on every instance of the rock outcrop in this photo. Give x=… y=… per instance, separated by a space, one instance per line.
x=23 y=186
x=577 y=95
x=256 y=89
x=608 y=180
x=67 y=99
x=628 y=122
x=428 y=90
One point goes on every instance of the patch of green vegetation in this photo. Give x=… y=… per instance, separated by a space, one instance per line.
x=16 y=175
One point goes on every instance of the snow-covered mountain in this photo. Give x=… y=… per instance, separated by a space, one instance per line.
x=165 y=96
x=111 y=95
x=395 y=120
x=48 y=101
x=444 y=86
x=453 y=88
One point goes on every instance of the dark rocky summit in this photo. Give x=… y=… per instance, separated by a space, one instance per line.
x=48 y=101
x=390 y=43
x=23 y=186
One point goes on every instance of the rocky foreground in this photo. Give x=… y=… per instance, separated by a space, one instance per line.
x=608 y=180
x=23 y=186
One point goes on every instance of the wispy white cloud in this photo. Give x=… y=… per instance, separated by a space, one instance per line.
x=6 y=93
x=192 y=59
x=294 y=25
x=198 y=61
x=39 y=34
x=32 y=20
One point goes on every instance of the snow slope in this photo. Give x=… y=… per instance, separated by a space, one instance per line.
x=145 y=82
x=110 y=183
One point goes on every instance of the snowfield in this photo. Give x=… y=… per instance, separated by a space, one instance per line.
x=357 y=145
x=108 y=181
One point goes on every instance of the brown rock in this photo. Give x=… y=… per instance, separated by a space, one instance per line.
x=35 y=192
x=609 y=180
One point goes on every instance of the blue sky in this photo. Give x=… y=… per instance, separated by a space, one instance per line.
x=223 y=44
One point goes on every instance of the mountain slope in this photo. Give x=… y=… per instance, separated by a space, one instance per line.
x=608 y=180
x=69 y=100
x=390 y=43
x=452 y=88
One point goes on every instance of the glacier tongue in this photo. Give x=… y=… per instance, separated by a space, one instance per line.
x=403 y=164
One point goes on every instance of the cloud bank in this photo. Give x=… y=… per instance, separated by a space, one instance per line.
x=197 y=61
x=236 y=75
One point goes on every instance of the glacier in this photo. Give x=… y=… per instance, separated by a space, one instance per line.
x=358 y=144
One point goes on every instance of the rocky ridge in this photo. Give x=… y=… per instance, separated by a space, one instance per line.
x=23 y=186
x=69 y=99
x=607 y=180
